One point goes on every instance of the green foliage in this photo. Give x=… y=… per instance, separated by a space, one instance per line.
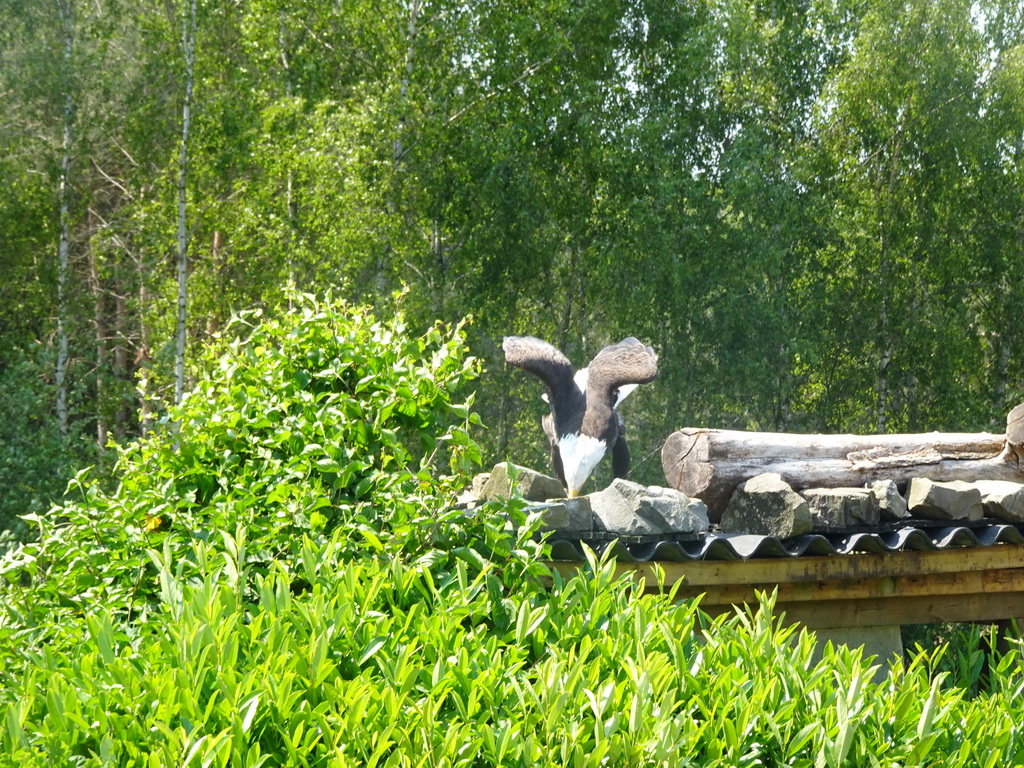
x=280 y=579
x=408 y=664
x=814 y=220
x=36 y=461
x=325 y=420
x=811 y=209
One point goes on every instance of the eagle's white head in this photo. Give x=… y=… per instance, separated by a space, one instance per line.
x=580 y=454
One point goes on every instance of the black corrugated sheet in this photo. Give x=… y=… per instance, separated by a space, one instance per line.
x=726 y=546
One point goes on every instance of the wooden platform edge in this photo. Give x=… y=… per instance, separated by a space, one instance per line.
x=954 y=585
x=826 y=568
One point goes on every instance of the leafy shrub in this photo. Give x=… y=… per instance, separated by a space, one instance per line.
x=278 y=582
x=393 y=664
x=35 y=459
x=326 y=419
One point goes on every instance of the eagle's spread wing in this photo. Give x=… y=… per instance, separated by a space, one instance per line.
x=627 y=363
x=544 y=361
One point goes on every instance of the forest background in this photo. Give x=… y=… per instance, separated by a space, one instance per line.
x=813 y=210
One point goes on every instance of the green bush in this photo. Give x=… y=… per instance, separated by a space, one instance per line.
x=326 y=419
x=279 y=579
x=35 y=459
x=393 y=664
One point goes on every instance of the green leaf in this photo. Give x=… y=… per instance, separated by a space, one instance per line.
x=371 y=649
x=249 y=711
x=471 y=557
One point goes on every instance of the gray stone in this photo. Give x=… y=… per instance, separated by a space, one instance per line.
x=766 y=505
x=467 y=500
x=554 y=516
x=631 y=509
x=508 y=479
x=566 y=515
x=581 y=516
x=885 y=643
x=1002 y=499
x=839 y=508
x=955 y=500
x=479 y=482
x=891 y=505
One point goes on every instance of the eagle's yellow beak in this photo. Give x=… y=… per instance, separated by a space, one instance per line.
x=573 y=493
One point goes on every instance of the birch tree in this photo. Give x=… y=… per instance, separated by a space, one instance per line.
x=67 y=37
x=189 y=48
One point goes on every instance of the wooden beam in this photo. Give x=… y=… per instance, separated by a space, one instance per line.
x=969 y=583
x=958 y=585
x=811 y=569
x=899 y=610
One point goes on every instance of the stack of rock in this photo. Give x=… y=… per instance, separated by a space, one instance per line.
x=623 y=509
x=763 y=505
x=767 y=505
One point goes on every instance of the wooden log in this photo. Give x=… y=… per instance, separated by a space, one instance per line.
x=710 y=463
x=1015 y=434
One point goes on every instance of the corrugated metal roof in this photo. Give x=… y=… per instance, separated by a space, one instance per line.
x=726 y=546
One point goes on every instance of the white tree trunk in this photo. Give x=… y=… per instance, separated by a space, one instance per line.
x=398 y=147
x=291 y=208
x=142 y=354
x=64 y=10
x=121 y=412
x=189 y=43
x=398 y=150
x=100 y=334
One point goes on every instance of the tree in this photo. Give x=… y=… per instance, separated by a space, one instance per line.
x=905 y=125
x=189 y=50
x=813 y=219
x=67 y=33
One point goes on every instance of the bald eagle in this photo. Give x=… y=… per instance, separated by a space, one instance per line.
x=584 y=420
